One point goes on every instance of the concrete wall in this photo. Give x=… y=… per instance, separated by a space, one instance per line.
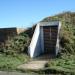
x=34 y=48
x=6 y=33
x=20 y=30
x=58 y=39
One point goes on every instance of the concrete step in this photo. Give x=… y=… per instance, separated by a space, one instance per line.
x=33 y=65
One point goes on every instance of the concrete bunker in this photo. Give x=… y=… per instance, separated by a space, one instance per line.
x=45 y=39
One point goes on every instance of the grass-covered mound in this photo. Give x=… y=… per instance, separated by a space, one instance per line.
x=67 y=33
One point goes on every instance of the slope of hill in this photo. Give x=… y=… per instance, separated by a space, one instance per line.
x=67 y=33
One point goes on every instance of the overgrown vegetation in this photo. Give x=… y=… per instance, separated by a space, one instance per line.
x=14 y=52
x=16 y=45
x=63 y=65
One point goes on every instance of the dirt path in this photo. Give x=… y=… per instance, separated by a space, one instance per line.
x=37 y=63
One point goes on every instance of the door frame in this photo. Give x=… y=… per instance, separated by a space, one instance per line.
x=54 y=23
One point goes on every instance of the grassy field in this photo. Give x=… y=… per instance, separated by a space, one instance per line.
x=10 y=63
x=65 y=64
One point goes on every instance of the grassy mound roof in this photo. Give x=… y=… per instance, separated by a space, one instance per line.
x=67 y=33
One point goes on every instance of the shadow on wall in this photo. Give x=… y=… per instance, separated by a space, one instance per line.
x=37 y=50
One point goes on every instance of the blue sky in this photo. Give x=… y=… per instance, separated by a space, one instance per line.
x=24 y=13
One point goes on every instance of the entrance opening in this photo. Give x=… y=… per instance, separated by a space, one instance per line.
x=45 y=39
x=50 y=38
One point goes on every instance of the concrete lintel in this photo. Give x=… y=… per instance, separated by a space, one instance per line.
x=53 y=23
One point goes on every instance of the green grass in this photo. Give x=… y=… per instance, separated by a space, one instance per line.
x=66 y=63
x=10 y=63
